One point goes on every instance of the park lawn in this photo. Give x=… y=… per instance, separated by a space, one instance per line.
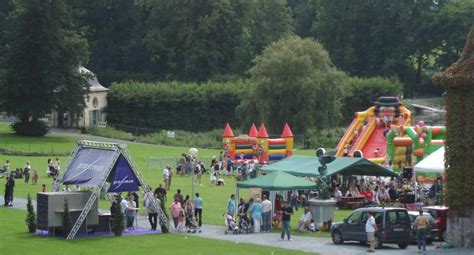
x=214 y=197
x=51 y=144
x=14 y=239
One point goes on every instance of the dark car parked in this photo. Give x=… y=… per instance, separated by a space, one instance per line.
x=393 y=226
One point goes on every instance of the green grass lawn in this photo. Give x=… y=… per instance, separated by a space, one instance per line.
x=214 y=197
x=14 y=239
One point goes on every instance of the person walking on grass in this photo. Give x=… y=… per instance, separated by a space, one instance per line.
x=151 y=210
x=175 y=209
x=231 y=205
x=170 y=178
x=287 y=211
x=27 y=172
x=166 y=177
x=34 y=176
x=198 y=209
x=370 y=228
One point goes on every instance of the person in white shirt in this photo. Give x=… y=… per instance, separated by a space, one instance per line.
x=266 y=214
x=312 y=226
x=166 y=177
x=337 y=194
x=123 y=205
x=151 y=210
x=305 y=220
x=131 y=212
x=370 y=228
x=382 y=195
x=57 y=165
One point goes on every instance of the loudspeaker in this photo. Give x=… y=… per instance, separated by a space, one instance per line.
x=407 y=173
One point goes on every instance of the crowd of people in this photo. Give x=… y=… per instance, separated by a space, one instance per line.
x=259 y=215
x=186 y=212
x=383 y=190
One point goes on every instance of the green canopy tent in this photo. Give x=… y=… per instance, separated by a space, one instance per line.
x=277 y=180
x=274 y=181
x=308 y=166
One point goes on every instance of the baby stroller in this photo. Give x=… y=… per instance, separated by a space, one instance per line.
x=244 y=225
x=232 y=226
x=192 y=225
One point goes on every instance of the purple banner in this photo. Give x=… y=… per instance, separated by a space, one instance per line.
x=123 y=177
x=88 y=167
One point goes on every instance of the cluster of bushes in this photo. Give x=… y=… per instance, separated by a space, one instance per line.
x=31 y=128
x=173 y=105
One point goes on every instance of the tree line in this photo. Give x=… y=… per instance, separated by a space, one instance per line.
x=224 y=41
x=203 y=40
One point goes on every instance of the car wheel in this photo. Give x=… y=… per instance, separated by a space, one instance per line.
x=378 y=242
x=337 y=237
x=403 y=245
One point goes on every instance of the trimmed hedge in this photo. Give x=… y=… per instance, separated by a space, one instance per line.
x=174 y=105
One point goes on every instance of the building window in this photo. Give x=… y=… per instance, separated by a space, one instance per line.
x=95 y=102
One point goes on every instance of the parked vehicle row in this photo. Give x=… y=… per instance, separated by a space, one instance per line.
x=394 y=225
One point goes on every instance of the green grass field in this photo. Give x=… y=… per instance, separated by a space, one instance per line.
x=214 y=197
x=14 y=239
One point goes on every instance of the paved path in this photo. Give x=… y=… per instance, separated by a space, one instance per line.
x=320 y=245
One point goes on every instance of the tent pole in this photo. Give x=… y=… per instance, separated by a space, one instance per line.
x=237 y=194
x=416 y=185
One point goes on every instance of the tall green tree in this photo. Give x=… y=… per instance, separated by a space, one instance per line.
x=197 y=40
x=5 y=8
x=43 y=65
x=115 y=30
x=361 y=93
x=192 y=40
x=303 y=13
x=459 y=83
x=407 y=39
x=294 y=81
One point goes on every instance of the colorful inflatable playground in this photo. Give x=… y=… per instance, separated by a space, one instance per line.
x=384 y=135
x=257 y=144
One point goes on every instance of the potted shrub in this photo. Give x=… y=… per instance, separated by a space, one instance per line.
x=30 y=216
x=66 y=219
x=118 y=218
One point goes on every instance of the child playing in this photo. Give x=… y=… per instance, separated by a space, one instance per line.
x=181 y=221
x=312 y=226
x=35 y=177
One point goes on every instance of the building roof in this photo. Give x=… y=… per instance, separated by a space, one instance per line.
x=94 y=85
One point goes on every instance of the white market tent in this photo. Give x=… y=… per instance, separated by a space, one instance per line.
x=433 y=163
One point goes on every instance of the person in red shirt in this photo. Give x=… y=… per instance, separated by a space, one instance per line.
x=368 y=194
